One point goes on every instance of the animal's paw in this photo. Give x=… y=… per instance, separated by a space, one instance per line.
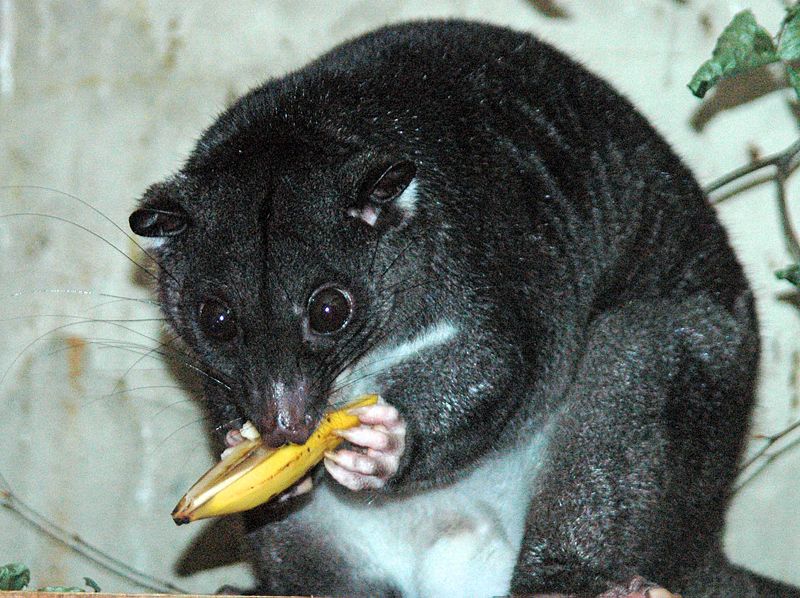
x=637 y=587
x=627 y=591
x=377 y=445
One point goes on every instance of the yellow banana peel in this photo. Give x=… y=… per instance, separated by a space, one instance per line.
x=251 y=474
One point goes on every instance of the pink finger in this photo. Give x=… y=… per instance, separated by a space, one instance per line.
x=367 y=437
x=353 y=461
x=351 y=480
x=378 y=414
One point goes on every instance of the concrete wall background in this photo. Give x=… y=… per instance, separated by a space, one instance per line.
x=98 y=99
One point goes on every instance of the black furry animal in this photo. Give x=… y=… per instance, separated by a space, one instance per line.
x=462 y=219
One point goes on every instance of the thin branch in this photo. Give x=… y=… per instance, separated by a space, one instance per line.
x=784 y=163
x=79 y=546
x=784 y=157
x=767 y=462
x=792 y=242
x=771 y=440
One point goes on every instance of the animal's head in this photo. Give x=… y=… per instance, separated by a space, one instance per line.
x=297 y=260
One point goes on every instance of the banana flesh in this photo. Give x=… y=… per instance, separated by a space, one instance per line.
x=251 y=474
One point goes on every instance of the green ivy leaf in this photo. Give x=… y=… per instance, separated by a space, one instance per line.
x=92 y=584
x=14 y=577
x=794 y=79
x=790 y=274
x=789 y=46
x=742 y=46
x=62 y=589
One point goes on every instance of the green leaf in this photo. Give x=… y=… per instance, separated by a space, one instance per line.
x=794 y=79
x=92 y=584
x=789 y=45
x=790 y=274
x=742 y=46
x=14 y=577
x=62 y=589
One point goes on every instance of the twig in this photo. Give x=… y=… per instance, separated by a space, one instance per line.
x=784 y=157
x=794 y=444
x=771 y=440
x=78 y=545
x=792 y=243
x=784 y=163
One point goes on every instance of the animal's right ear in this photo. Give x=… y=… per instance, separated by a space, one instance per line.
x=159 y=216
x=390 y=189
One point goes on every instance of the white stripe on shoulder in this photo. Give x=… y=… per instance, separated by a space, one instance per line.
x=359 y=378
x=433 y=336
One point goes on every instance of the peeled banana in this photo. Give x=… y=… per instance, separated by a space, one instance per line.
x=250 y=474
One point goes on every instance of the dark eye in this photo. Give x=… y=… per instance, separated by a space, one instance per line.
x=329 y=310
x=217 y=320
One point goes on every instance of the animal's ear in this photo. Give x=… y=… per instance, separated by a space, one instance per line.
x=390 y=187
x=159 y=215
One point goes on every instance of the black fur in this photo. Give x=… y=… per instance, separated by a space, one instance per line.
x=594 y=291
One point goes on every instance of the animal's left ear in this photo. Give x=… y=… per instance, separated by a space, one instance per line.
x=159 y=216
x=393 y=190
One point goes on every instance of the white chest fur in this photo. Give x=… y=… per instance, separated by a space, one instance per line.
x=460 y=540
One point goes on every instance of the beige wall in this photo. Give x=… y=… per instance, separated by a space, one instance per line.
x=98 y=99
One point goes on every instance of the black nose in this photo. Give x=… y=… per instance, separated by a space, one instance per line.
x=277 y=431
x=284 y=414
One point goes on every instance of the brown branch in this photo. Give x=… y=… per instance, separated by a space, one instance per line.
x=792 y=242
x=781 y=158
x=784 y=163
x=768 y=461
x=771 y=440
x=78 y=545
